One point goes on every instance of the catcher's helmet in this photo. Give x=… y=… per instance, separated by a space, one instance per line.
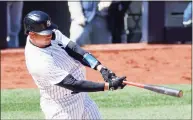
x=38 y=22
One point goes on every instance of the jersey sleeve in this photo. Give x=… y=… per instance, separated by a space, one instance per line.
x=62 y=38
x=50 y=72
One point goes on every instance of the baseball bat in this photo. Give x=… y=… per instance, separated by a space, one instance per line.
x=157 y=89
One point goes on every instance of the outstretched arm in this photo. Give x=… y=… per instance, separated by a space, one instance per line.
x=50 y=72
x=69 y=82
x=88 y=60
x=83 y=56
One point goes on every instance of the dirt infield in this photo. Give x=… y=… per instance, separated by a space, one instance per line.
x=154 y=64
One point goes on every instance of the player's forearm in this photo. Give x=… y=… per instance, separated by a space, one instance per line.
x=71 y=83
x=99 y=67
x=81 y=55
x=87 y=59
x=84 y=86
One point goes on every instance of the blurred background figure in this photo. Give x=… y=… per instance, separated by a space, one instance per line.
x=187 y=18
x=116 y=14
x=88 y=22
x=14 y=15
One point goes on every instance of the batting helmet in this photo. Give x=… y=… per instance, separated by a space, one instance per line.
x=38 y=22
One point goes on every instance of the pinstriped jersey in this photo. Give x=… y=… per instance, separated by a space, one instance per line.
x=49 y=66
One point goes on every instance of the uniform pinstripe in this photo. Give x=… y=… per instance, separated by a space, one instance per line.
x=49 y=66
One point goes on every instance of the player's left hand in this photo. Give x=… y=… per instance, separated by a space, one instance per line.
x=107 y=74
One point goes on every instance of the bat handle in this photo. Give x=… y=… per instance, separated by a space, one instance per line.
x=134 y=84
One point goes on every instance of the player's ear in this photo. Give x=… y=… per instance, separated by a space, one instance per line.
x=32 y=35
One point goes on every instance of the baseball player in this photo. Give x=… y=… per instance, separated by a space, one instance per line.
x=56 y=64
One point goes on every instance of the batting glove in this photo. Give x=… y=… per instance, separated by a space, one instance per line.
x=107 y=74
x=117 y=83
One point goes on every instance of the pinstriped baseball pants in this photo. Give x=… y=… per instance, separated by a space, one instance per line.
x=80 y=108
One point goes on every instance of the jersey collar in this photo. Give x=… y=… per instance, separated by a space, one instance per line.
x=38 y=46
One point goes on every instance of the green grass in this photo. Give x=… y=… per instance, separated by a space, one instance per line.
x=129 y=103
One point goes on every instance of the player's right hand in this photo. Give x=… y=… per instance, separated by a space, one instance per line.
x=81 y=21
x=116 y=83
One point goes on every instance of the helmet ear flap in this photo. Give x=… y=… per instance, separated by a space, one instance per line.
x=26 y=29
x=26 y=32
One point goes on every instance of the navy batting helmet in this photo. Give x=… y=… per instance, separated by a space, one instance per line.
x=38 y=22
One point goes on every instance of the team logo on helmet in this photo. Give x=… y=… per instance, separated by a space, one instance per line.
x=48 y=23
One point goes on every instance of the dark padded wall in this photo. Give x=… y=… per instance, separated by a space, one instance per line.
x=3 y=23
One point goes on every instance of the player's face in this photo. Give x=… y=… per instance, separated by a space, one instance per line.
x=41 y=40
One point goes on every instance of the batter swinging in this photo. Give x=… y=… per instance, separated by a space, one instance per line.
x=56 y=64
